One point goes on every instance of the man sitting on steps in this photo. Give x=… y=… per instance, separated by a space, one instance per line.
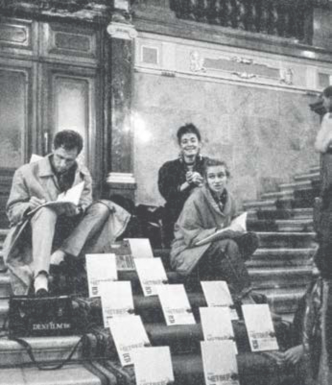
x=38 y=243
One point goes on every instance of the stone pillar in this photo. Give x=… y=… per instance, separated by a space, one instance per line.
x=120 y=179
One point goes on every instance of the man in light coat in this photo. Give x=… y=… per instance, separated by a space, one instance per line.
x=51 y=234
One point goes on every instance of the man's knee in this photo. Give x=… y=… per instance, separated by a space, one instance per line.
x=44 y=216
x=228 y=246
x=98 y=209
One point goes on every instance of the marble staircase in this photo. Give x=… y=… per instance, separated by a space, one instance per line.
x=280 y=268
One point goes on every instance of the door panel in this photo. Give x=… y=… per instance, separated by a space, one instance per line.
x=15 y=128
x=72 y=104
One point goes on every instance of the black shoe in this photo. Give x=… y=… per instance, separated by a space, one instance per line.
x=41 y=293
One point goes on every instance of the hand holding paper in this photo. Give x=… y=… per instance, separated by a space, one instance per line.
x=236 y=228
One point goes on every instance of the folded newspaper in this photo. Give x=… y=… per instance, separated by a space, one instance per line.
x=237 y=225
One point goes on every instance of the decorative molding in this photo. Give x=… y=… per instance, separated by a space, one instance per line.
x=196 y=62
x=121 y=31
x=286 y=76
x=120 y=178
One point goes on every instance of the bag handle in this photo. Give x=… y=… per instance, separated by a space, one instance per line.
x=40 y=366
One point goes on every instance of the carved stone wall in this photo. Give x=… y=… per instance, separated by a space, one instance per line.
x=251 y=107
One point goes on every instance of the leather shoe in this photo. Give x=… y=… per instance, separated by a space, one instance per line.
x=41 y=293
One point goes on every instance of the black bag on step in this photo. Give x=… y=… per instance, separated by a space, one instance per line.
x=39 y=317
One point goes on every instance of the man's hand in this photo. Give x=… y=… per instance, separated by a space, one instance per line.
x=35 y=202
x=68 y=209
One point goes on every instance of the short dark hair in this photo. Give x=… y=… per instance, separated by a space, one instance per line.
x=68 y=139
x=216 y=162
x=327 y=92
x=188 y=128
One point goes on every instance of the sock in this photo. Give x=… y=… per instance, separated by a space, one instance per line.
x=41 y=282
x=57 y=257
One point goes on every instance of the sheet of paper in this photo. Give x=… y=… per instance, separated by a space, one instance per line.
x=219 y=363
x=128 y=334
x=151 y=273
x=124 y=259
x=175 y=305
x=116 y=299
x=140 y=247
x=239 y=223
x=153 y=365
x=260 y=328
x=72 y=195
x=217 y=294
x=35 y=158
x=100 y=268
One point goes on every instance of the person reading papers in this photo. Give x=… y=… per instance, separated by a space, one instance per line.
x=46 y=228
x=200 y=249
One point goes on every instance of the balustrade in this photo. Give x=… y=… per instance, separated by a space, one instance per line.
x=273 y=17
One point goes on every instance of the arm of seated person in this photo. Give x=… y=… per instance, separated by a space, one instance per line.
x=293 y=355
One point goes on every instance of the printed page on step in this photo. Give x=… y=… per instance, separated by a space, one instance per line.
x=116 y=299
x=151 y=273
x=175 y=305
x=219 y=363
x=153 y=365
x=217 y=294
x=100 y=268
x=140 y=247
x=128 y=334
x=124 y=259
x=216 y=324
x=260 y=328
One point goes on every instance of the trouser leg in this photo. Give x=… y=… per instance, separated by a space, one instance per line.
x=43 y=227
x=91 y=223
x=223 y=261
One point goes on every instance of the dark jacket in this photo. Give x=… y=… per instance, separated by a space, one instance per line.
x=171 y=176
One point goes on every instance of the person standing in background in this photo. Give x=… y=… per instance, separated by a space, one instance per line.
x=323 y=227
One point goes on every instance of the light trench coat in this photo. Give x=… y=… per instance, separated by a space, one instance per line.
x=38 y=179
x=200 y=217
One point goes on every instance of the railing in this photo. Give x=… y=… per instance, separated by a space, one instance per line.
x=284 y=18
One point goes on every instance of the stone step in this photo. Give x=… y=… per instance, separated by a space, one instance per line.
x=75 y=374
x=290 y=225
x=255 y=205
x=286 y=239
x=45 y=349
x=285 y=301
x=311 y=176
x=284 y=277
x=314 y=169
x=274 y=214
x=280 y=257
x=300 y=185
x=289 y=194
